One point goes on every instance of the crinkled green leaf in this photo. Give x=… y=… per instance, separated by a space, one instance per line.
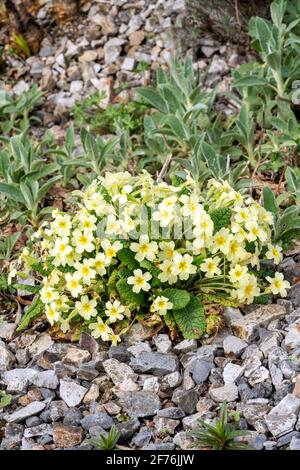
x=126 y=256
x=35 y=310
x=127 y=295
x=179 y=297
x=221 y=218
x=191 y=319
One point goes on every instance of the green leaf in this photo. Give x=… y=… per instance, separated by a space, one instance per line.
x=178 y=128
x=153 y=270
x=26 y=287
x=12 y=191
x=269 y=201
x=278 y=8
x=45 y=188
x=191 y=319
x=170 y=320
x=292 y=176
x=215 y=163
x=179 y=297
x=5 y=399
x=112 y=280
x=250 y=81
x=127 y=295
x=153 y=98
x=20 y=153
x=35 y=310
x=221 y=218
x=126 y=256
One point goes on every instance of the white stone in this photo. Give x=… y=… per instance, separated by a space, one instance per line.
x=228 y=393
x=261 y=374
x=234 y=345
x=22 y=413
x=7 y=359
x=76 y=86
x=283 y=416
x=20 y=87
x=71 y=392
x=17 y=380
x=292 y=339
x=151 y=384
x=118 y=372
x=128 y=64
x=162 y=343
x=138 y=348
x=231 y=373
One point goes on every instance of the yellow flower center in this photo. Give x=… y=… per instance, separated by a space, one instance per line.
x=86 y=307
x=99 y=264
x=144 y=248
x=139 y=281
x=83 y=240
x=85 y=270
x=110 y=252
x=183 y=265
x=249 y=289
x=234 y=247
x=277 y=284
x=73 y=284
x=221 y=241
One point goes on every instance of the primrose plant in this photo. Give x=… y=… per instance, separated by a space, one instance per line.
x=137 y=249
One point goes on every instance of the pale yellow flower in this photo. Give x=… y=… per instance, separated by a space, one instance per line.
x=87 y=222
x=183 y=266
x=61 y=250
x=48 y=294
x=144 y=249
x=73 y=284
x=161 y=305
x=167 y=250
x=114 y=311
x=210 y=267
x=85 y=270
x=101 y=330
x=275 y=253
x=278 y=285
x=86 y=307
x=167 y=274
x=139 y=281
x=221 y=241
x=99 y=263
x=248 y=289
x=52 y=313
x=111 y=249
x=237 y=273
x=115 y=339
x=61 y=225
x=83 y=241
